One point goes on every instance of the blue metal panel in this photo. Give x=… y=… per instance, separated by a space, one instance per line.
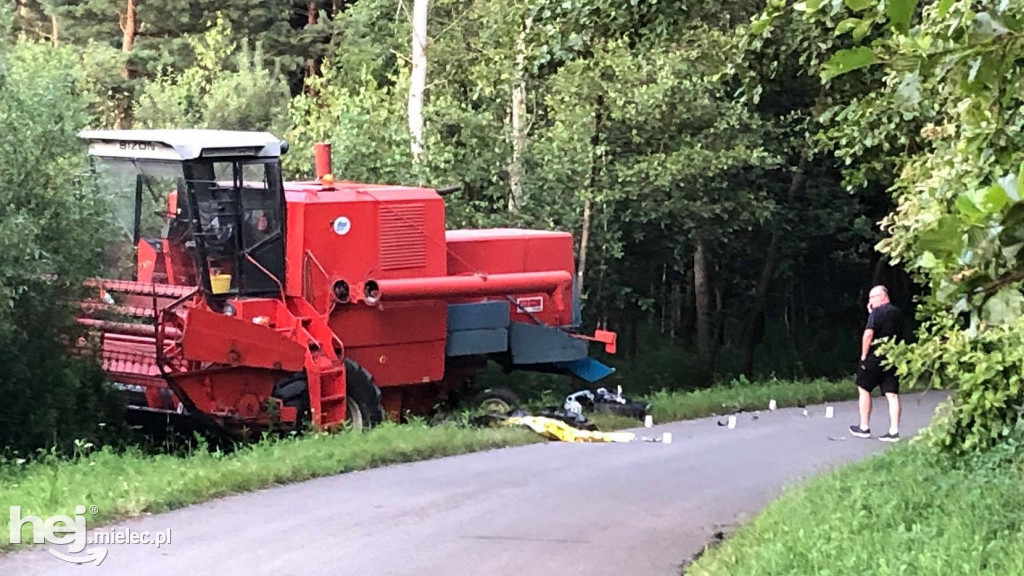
x=533 y=344
x=473 y=342
x=478 y=315
x=588 y=369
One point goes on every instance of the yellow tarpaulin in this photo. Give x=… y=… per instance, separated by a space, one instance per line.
x=558 y=430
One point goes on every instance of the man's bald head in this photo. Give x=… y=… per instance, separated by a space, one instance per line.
x=878 y=296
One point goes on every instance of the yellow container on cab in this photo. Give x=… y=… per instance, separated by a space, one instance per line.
x=220 y=283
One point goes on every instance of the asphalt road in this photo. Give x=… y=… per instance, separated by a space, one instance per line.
x=569 y=509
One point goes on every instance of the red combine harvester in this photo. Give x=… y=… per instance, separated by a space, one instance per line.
x=247 y=302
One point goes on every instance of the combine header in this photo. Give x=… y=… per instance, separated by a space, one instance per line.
x=245 y=302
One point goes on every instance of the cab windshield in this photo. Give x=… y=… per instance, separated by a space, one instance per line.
x=215 y=223
x=142 y=195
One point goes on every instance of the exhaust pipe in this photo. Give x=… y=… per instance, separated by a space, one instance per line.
x=322 y=152
x=477 y=285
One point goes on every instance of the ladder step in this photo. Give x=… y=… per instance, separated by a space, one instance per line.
x=333 y=398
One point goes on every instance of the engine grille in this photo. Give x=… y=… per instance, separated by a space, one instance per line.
x=403 y=241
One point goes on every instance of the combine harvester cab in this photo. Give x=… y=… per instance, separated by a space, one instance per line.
x=242 y=302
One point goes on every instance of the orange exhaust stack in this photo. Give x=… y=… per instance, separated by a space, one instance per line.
x=323 y=159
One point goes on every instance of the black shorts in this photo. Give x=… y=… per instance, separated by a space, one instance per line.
x=871 y=375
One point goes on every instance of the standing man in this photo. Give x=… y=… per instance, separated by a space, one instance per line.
x=884 y=320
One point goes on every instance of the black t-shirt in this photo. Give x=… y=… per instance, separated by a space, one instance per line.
x=886 y=320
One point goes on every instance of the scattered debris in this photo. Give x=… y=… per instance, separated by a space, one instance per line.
x=572 y=418
x=602 y=400
x=569 y=424
x=730 y=422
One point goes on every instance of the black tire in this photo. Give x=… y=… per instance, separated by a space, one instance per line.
x=293 y=392
x=495 y=401
x=364 y=408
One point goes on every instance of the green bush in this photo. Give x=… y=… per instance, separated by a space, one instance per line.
x=986 y=372
x=50 y=240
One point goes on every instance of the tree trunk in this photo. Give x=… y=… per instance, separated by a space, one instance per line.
x=878 y=276
x=687 y=313
x=703 y=294
x=595 y=139
x=663 y=296
x=584 y=240
x=719 y=318
x=632 y=318
x=675 y=304
x=128 y=29
x=312 y=15
x=755 y=322
x=793 y=333
x=54 y=30
x=128 y=35
x=519 y=127
x=418 y=77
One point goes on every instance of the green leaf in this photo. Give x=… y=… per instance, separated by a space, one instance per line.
x=994 y=198
x=927 y=260
x=1004 y=307
x=944 y=6
x=860 y=5
x=761 y=24
x=965 y=206
x=900 y=12
x=847 y=25
x=808 y=5
x=845 y=61
x=942 y=240
x=863 y=29
x=1010 y=252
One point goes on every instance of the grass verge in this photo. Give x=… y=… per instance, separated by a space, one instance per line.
x=739 y=395
x=742 y=395
x=126 y=484
x=908 y=512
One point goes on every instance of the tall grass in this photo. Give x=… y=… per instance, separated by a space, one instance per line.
x=742 y=395
x=907 y=512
